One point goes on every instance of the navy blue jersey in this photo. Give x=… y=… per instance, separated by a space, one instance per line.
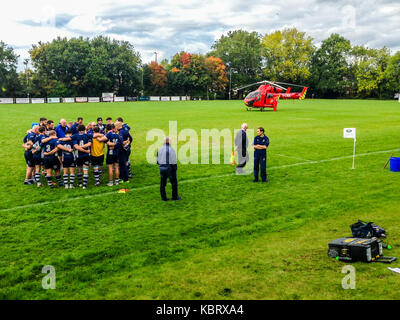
x=70 y=146
x=113 y=138
x=30 y=137
x=81 y=139
x=264 y=141
x=74 y=128
x=125 y=135
x=102 y=128
x=126 y=127
x=50 y=146
x=38 y=146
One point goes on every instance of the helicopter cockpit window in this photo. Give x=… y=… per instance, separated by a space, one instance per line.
x=253 y=95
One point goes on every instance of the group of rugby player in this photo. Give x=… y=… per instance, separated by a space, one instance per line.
x=71 y=149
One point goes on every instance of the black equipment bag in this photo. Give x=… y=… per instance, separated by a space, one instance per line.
x=361 y=229
x=357 y=249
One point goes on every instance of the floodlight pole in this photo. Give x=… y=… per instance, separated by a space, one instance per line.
x=230 y=82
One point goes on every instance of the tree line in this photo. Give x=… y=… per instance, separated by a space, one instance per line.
x=87 y=67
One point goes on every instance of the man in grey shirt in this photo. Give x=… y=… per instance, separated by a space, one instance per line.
x=167 y=162
x=241 y=145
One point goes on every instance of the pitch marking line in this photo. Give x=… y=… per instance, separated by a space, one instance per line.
x=191 y=180
x=290 y=157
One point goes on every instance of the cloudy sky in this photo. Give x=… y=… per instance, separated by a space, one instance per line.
x=167 y=26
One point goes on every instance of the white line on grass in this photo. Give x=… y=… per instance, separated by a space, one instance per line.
x=290 y=157
x=191 y=180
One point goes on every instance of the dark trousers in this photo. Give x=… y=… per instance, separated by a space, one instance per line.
x=123 y=169
x=243 y=158
x=171 y=174
x=260 y=161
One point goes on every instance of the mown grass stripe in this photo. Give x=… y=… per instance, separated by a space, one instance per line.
x=192 y=180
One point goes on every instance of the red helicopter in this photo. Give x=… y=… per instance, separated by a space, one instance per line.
x=269 y=93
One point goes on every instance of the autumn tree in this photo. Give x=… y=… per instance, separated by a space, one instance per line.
x=158 y=78
x=217 y=76
x=287 y=55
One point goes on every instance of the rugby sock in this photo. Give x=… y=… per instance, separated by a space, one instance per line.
x=49 y=181
x=116 y=181
x=65 y=176
x=71 y=179
x=37 y=177
x=59 y=180
x=85 y=179
x=129 y=169
x=80 y=175
x=97 y=176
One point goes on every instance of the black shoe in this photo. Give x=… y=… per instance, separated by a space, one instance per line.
x=255 y=181
x=165 y=199
x=179 y=198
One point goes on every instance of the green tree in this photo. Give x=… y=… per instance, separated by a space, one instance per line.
x=288 y=55
x=86 y=67
x=9 y=83
x=330 y=67
x=369 y=67
x=392 y=75
x=241 y=53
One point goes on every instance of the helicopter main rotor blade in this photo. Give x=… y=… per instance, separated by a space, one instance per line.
x=290 y=84
x=276 y=85
x=249 y=85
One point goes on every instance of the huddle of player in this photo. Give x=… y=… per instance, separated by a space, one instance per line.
x=72 y=149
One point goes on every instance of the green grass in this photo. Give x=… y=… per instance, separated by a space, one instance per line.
x=229 y=238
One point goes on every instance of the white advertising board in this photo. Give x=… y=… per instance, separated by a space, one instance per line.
x=175 y=98
x=22 y=100
x=93 y=99
x=165 y=99
x=119 y=99
x=107 y=96
x=38 y=100
x=153 y=98
x=81 y=99
x=68 y=100
x=53 y=100
x=6 y=100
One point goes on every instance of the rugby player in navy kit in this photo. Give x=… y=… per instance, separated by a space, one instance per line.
x=123 y=151
x=29 y=141
x=114 y=142
x=51 y=161
x=38 y=154
x=68 y=160
x=128 y=129
x=82 y=143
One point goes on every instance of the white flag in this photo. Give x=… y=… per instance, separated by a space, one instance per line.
x=349 y=133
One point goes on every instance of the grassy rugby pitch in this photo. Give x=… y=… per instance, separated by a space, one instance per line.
x=229 y=238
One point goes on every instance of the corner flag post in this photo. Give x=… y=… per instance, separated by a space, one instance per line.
x=350 y=133
x=354 y=153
